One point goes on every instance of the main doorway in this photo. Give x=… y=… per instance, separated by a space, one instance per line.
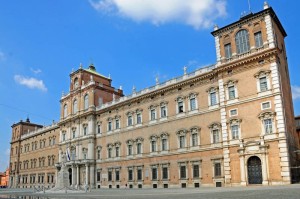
x=254 y=170
x=70 y=176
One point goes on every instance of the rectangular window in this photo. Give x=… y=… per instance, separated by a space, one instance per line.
x=117 y=151
x=263 y=84
x=228 y=53
x=163 y=111
x=130 y=174
x=217 y=169
x=117 y=175
x=231 y=92
x=64 y=137
x=196 y=171
x=98 y=129
x=109 y=175
x=139 y=148
x=165 y=173
x=268 y=126
x=258 y=40
x=193 y=104
x=117 y=123
x=194 y=139
x=164 y=144
x=182 y=172
x=109 y=152
x=74 y=134
x=109 y=126
x=153 y=114
x=154 y=173
x=233 y=112
x=129 y=120
x=180 y=107
x=139 y=174
x=98 y=154
x=153 y=146
x=129 y=149
x=98 y=176
x=138 y=118
x=215 y=136
x=213 y=98
x=235 y=132
x=266 y=105
x=181 y=141
x=84 y=130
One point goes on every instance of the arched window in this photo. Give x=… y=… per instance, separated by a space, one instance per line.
x=76 y=84
x=65 y=110
x=242 y=42
x=86 y=102
x=75 y=106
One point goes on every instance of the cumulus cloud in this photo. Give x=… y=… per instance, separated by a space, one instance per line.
x=30 y=82
x=36 y=71
x=197 y=13
x=296 y=92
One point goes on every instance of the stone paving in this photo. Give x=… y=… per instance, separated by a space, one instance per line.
x=251 y=192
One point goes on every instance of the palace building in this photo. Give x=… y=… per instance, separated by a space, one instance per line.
x=228 y=124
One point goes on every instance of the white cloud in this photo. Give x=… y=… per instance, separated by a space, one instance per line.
x=30 y=82
x=36 y=71
x=197 y=13
x=296 y=92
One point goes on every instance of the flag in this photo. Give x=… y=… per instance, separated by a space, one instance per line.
x=68 y=154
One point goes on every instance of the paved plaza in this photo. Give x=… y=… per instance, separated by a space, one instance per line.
x=274 y=192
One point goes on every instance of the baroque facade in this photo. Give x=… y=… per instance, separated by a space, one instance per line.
x=229 y=124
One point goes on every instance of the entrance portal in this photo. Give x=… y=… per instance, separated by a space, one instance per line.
x=254 y=170
x=70 y=175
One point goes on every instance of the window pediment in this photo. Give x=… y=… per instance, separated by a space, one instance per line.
x=212 y=89
x=139 y=139
x=181 y=132
x=234 y=120
x=164 y=135
x=266 y=115
x=153 y=137
x=130 y=141
x=262 y=73
x=215 y=125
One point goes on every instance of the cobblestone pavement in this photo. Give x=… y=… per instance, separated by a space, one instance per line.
x=257 y=192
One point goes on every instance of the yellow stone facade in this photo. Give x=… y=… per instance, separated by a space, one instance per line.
x=229 y=124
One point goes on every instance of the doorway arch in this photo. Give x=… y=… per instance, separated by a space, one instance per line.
x=254 y=170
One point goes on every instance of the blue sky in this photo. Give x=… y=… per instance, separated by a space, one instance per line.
x=132 y=40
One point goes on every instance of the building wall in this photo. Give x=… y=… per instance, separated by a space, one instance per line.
x=193 y=143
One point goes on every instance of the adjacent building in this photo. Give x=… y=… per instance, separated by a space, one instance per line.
x=228 y=124
x=4 y=177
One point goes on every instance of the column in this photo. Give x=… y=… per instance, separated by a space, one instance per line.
x=59 y=155
x=242 y=168
x=87 y=174
x=92 y=177
x=77 y=180
x=73 y=175
x=264 y=170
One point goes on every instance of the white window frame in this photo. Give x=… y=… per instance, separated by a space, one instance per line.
x=180 y=100
x=265 y=116
x=213 y=127
x=261 y=74
x=262 y=105
x=153 y=138
x=165 y=106
x=235 y=122
x=86 y=101
x=211 y=91
x=195 y=131
x=139 y=112
x=164 y=136
x=195 y=97
x=75 y=106
x=181 y=133
x=230 y=114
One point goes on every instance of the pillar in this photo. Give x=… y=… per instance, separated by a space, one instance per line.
x=77 y=177
x=92 y=176
x=86 y=174
x=242 y=168
x=264 y=170
x=73 y=175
